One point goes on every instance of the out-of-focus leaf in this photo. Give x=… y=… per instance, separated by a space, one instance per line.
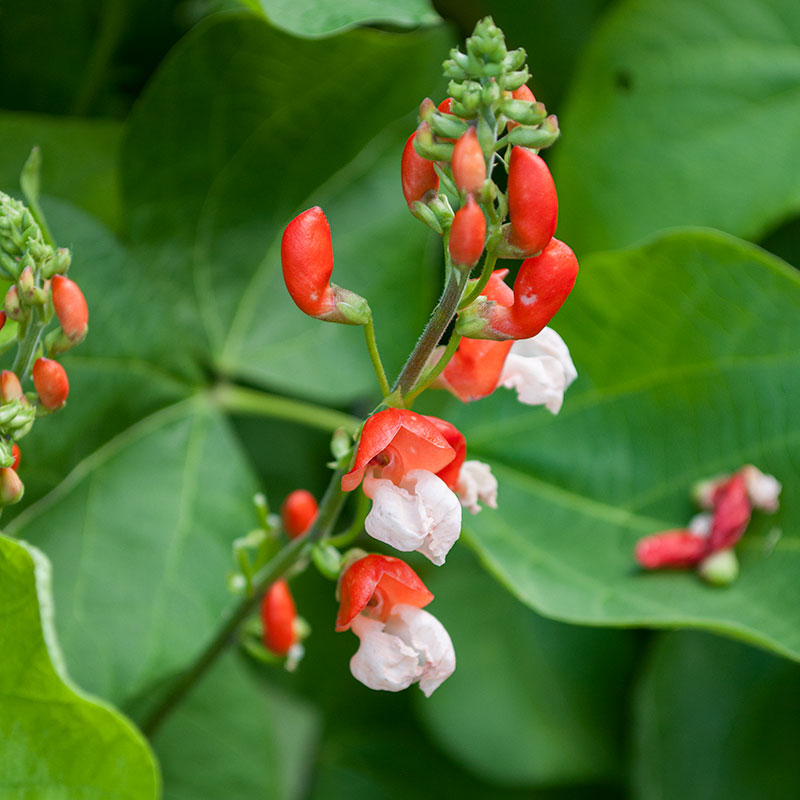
x=234 y=736
x=531 y=701
x=45 y=719
x=141 y=532
x=688 y=366
x=79 y=160
x=682 y=113
x=210 y=188
x=321 y=17
x=714 y=718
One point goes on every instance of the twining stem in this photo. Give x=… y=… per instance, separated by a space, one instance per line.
x=433 y=373
x=437 y=325
x=238 y=400
x=374 y=355
x=28 y=346
x=329 y=510
x=486 y=273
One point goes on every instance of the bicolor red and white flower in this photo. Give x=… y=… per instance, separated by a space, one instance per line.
x=381 y=601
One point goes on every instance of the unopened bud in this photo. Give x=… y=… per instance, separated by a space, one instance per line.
x=70 y=307
x=11 y=487
x=298 y=512
x=469 y=164
x=51 y=383
x=427 y=147
x=12 y=307
x=16 y=455
x=467 y=234
x=720 y=568
x=10 y=387
x=513 y=80
x=536 y=138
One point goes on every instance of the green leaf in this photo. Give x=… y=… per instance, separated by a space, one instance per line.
x=141 y=532
x=688 y=365
x=321 y=17
x=210 y=188
x=79 y=160
x=234 y=735
x=522 y=707
x=715 y=719
x=46 y=719
x=682 y=113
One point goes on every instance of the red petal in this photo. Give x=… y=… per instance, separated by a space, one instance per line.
x=457 y=441
x=391 y=577
x=731 y=512
x=676 y=548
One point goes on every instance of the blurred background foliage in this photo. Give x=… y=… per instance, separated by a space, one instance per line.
x=178 y=138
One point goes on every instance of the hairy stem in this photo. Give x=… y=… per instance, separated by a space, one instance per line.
x=296 y=549
x=28 y=346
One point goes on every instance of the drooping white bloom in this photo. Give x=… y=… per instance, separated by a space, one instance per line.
x=412 y=646
x=762 y=489
x=421 y=513
x=476 y=483
x=540 y=370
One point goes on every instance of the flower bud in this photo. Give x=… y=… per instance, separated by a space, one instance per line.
x=417 y=174
x=2 y=319
x=543 y=284
x=523 y=93
x=467 y=234
x=10 y=387
x=15 y=453
x=12 y=307
x=307 y=260
x=532 y=202
x=70 y=307
x=51 y=383
x=11 y=487
x=469 y=165
x=298 y=512
x=278 y=615
x=675 y=549
x=428 y=148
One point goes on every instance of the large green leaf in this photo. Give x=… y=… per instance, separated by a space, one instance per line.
x=233 y=736
x=688 y=366
x=716 y=719
x=210 y=188
x=320 y=17
x=548 y=709
x=141 y=533
x=46 y=719
x=683 y=112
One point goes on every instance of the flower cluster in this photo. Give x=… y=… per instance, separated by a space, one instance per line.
x=39 y=292
x=412 y=467
x=708 y=541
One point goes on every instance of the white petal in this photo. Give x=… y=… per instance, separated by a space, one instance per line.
x=428 y=637
x=421 y=514
x=540 y=370
x=476 y=482
x=397 y=517
x=442 y=513
x=383 y=661
x=700 y=524
x=762 y=489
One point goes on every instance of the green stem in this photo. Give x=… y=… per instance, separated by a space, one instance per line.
x=238 y=400
x=296 y=549
x=28 y=346
x=354 y=531
x=437 y=324
x=375 y=357
x=435 y=371
x=486 y=273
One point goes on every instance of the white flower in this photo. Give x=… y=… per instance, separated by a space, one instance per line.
x=476 y=483
x=412 y=646
x=540 y=370
x=700 y=524
x=763 y=490
x=421 y=513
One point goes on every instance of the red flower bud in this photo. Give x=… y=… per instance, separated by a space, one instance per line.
x=732 y=511
x=523 y=93
x=378 y=583
x=417 y=174
x=70 y=307
x=2 y=319
x=15 y=452
x=469 y=165
x=307 y=259
x=11 y=487
x=446 y=106
x=50 y=382
x=298 y=512
x=532 y=202
x=278 y=616
x=677 y=548
x=467 y=234
x=10 y=387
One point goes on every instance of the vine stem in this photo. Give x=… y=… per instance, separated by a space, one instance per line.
x=374 y=355
x=486 y=273
x=433 y=373
x=296 y=549
x=27 y=347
